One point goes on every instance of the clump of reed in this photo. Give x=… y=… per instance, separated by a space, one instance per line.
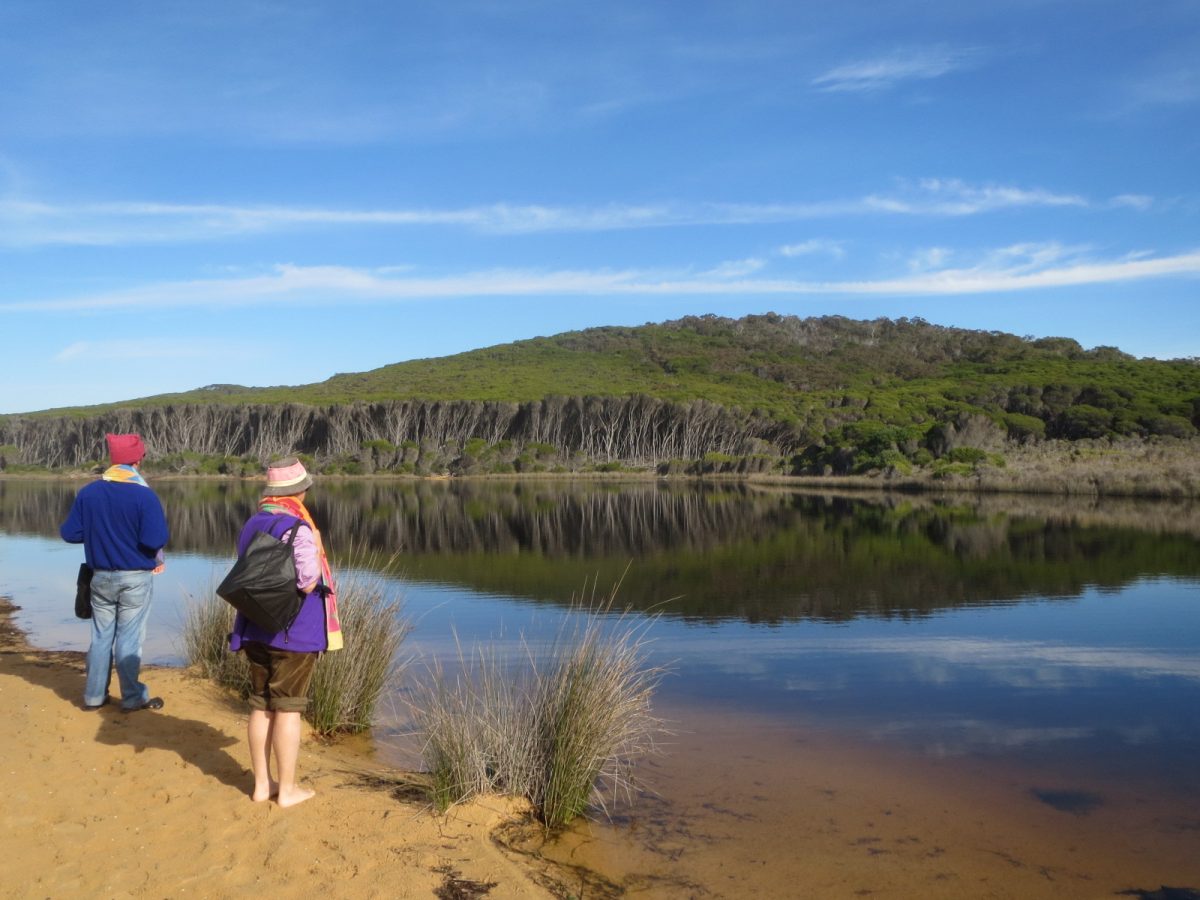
x=562 y=731
x=347 y=684
x=474 y=728
x=208 y=621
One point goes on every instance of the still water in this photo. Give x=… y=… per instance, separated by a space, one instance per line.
x=997 y=635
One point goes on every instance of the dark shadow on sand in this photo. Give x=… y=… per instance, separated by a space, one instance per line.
x=1078 y=803
x=197 y=743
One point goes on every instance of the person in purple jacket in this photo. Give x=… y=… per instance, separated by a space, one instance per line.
x=120 y=522
x=282 y=663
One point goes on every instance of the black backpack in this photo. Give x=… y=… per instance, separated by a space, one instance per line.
x=262 y=583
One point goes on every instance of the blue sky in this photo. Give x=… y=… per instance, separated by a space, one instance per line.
x=272 y=192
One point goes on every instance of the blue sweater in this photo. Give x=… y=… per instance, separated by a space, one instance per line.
x=121 y=526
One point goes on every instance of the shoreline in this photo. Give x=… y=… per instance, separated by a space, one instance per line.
x=156 y=803
x=1162 y=470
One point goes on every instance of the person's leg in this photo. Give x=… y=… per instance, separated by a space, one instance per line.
x=285 y=741
x=100 y=651
x=133 y=610
x=261 y=726
x=259 y=732
x=279 y=682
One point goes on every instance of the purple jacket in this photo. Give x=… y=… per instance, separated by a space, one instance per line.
x=307 y=633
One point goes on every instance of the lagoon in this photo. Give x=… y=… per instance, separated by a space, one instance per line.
x=857 y=680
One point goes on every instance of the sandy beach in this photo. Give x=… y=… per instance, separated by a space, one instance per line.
x=155 y=804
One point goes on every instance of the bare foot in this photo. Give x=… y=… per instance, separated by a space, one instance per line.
x=295 y=796
x=258 y=796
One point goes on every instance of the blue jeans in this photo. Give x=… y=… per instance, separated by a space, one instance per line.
x=120 y=606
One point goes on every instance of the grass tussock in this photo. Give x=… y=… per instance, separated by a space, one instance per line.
x=208 y=621
x=347 y=684
x=561 y=730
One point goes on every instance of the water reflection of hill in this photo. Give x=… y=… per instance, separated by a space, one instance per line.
x=724 y=550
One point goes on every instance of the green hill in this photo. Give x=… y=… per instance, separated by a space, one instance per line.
x=842 y=395
x=780 y=364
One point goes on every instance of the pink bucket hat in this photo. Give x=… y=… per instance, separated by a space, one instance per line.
x=287 y=477
x=125 y=449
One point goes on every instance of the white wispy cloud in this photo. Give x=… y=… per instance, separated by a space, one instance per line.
x=1174 y=83
x=145 y=348
x=736 y=268
x=815 y=246
x=1029 y=654
x=289 y=283
x=1028 y=257
x=1018 y=268
x=1022 y=273
x=1029 y=663
x=930 y=258
x=1131 y=201
x=953 y=737
x=110 y=223
x=31 y=223
x=25 y=223
x=884 y=72
x=953 y=197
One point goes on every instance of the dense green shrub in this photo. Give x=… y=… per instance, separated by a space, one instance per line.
x=342 y=465
x=1024 y=428
x=971 y=455
x=943 y=469
x=922 y=457
x=895 y=461
x=9 y=456
x=1083 y=421
x=1170 y=426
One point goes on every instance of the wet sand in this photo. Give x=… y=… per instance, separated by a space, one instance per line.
x=747 y=808
x=156 y=804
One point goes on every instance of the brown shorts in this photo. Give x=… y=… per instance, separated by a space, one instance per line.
x=278 y=678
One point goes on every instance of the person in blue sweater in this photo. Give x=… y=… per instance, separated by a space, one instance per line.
x=120 y=522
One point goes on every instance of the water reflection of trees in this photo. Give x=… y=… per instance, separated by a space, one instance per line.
x=723 y=550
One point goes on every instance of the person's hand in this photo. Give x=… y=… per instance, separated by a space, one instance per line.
x=158 y=570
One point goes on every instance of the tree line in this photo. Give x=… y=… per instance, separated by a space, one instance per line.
x=418 y=434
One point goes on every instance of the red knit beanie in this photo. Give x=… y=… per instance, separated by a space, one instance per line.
x=125 y=449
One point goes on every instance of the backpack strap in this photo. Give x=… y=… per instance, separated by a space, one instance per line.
x=289 y=538
x=287 y=533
